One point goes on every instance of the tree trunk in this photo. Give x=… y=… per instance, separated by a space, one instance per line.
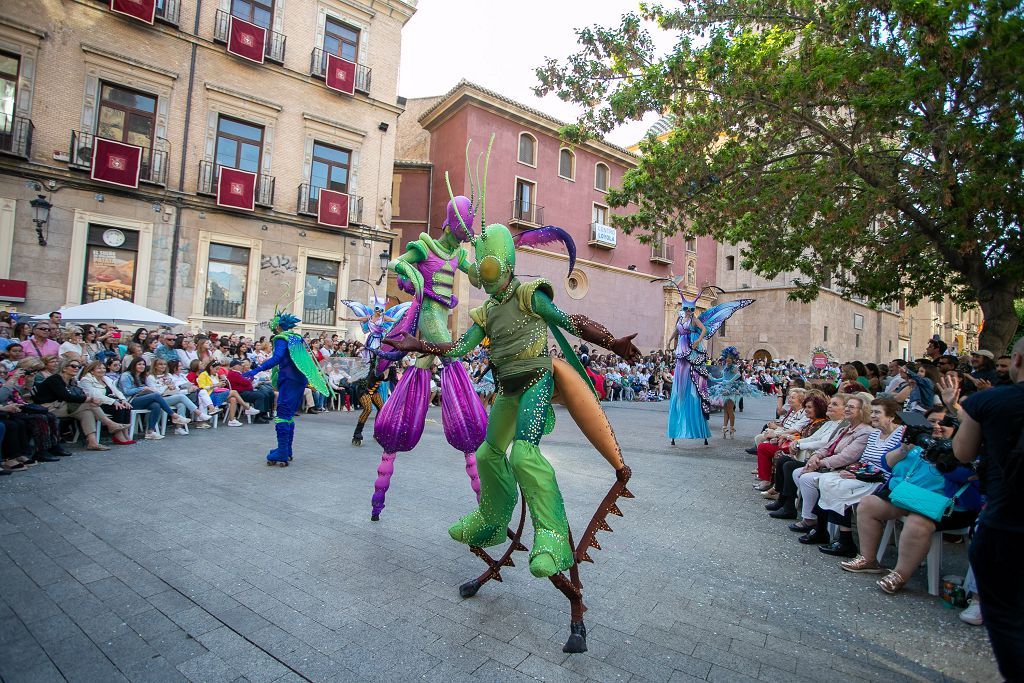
x=997 y=305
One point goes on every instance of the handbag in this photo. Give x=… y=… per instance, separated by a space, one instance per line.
x=934 y=506
x=76 y=394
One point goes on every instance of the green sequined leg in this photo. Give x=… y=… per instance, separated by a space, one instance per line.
x=551 y=552
x=487 y=525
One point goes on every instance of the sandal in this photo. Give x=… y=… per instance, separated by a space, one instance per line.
x=891 y=583
x=98 y=447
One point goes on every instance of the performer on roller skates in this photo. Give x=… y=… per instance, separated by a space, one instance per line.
x=293 y=368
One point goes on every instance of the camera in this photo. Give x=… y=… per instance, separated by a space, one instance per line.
x=918 y=432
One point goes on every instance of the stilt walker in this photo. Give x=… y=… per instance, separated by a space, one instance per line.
x=427 y=270
x=689 y=404
x=293 y=369
x=517 y=318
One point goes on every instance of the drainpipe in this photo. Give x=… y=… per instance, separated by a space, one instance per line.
x=176 y=236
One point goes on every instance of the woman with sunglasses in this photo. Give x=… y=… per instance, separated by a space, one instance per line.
x=62 y=395
x=142 y=397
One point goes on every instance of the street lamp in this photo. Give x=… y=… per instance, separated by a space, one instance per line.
x=385 y=259
x=40 y=215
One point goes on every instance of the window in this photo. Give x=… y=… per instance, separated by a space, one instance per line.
x=128 y=116
x=691 y=245
x=527 y=149
x=259 y=12
x=226 y=277
x=826 y=333
x=601 y=177
x=330 y=169
x=857 y=342
x=8 y=92
x=691 y=274
x=111 y=256
x=858 y=321
x=730 y=263
x=890 y=346
x=567 y=164
x=526 y=201
x=321 y=294
x=239 y=145
x=721 y=330
x=600 y=214
x=341 y=39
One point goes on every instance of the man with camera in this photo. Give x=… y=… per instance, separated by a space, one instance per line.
x=991 y=424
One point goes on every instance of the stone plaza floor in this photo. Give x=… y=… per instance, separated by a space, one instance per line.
x=188 y=558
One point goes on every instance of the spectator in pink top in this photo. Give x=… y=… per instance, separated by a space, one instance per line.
x=40 y=344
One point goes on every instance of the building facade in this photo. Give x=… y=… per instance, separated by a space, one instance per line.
x=206 y=165
x=954 y=324
x=535 y=179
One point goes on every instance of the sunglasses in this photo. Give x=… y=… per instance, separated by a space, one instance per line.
x=75 y=367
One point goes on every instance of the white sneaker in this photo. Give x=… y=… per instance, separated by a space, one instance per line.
x=252 y=411
x=180 y=420
x=154 y=436
x=204 y=425
x=234 y=423
x=972 y=615
x=180 y=431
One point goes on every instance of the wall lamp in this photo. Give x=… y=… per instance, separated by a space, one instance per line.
x=385 y=259
x=40 y=215
x=383 y=127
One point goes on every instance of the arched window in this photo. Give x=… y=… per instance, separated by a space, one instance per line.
x=730 y=263
x=567 y=164
x=601 y=174
x=527 y=149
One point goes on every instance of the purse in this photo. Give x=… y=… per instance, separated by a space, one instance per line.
x=934 y=506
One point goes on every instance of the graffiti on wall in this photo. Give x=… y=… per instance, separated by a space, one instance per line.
x=278 y=265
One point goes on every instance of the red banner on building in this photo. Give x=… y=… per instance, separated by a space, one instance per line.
x=332 y=209
x=236 y=188
x=116 y=162
x=341 y=74
x=246 y=40
x=143 y=10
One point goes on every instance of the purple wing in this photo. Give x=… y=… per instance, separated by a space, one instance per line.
x=408 y=323
x=546 y=235
x=716 y=315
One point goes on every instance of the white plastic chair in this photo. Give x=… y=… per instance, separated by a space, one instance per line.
x=934 y=557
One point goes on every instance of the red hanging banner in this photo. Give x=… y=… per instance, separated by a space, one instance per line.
x=143 y=10
x=332 y=209
x=116 y=163
x=236 y=188
x=246 y=40
x=341 y=74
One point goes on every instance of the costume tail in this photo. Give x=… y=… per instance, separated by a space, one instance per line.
x=574 y=393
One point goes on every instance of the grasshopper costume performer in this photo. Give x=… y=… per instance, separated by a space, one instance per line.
x=517 y=318
x=427 y=270
x=294 y=368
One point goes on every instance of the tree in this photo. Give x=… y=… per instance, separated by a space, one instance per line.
x=1020 y=325
x=878 y=144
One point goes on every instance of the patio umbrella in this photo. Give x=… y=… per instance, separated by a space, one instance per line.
x=113 y=311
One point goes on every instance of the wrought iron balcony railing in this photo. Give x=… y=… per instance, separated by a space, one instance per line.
x=318 y=69
x=662 y=253
x=16 y=136
x=153 y=168
x=264 y=191
x=307 y=204
x=224 y=308
x=526 y=213
x=168 y=11
x=273 y=50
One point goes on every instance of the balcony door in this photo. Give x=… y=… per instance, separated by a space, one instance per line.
x=330 y=170
x=525 y=199
x=8 y=95
x=128 y=116
x=341 y=40
x=259 y=12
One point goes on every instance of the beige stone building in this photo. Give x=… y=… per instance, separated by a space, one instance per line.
x=956 y=325
x=241 y=99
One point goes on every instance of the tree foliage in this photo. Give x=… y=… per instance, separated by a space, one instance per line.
x=874 y=145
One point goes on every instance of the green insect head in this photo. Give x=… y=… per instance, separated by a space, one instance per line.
x=495 y=259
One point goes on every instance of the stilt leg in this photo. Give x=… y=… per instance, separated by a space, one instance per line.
x=474 y=478
x=384 y=472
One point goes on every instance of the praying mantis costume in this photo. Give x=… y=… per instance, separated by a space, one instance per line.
x=517 y=318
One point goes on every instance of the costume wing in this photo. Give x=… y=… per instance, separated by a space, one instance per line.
x=300 y=355
x=396 y=312
x=361 y=310
x=546 y=235
x=716 y=315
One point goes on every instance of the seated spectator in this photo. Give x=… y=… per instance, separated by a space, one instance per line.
x=51 y=366
x=849 y=380
x=907 y=464
x=149 y=349
x=90 y=343
x=200 y=397
x=261 y=402
x=31 y=433
x=40 y=344
x=841 y=490
x=15 y=352
x=791 y=423
x=108 y=397
x=845 y=449
x=143 y=397
x=209 y=378
x=983 y=369
x=163 y=383
x=917 y=392
x=72 y=346
x=815 y=408
x=61 y=394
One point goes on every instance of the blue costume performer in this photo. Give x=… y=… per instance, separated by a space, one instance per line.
x=726 y=388
x=293 y=369
x=690 y=404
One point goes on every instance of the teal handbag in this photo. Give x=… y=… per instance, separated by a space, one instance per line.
x=934 y=506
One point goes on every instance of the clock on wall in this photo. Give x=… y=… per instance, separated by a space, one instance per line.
x=113 y=237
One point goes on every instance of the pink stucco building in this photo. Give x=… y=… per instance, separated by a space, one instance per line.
x=535 y=179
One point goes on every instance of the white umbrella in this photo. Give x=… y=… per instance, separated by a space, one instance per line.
x=113 y=311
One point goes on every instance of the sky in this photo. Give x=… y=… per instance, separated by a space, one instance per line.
x=498 y=45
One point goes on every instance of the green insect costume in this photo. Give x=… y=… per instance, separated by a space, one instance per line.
x=517 y=318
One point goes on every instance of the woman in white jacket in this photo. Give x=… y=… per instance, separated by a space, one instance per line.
x=201 y=397
x=799 y=451
x=164 y=385
x=96 y=385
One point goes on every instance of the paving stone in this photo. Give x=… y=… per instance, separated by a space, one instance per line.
x=207 y=668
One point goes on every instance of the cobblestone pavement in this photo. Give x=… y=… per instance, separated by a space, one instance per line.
x=190 y=559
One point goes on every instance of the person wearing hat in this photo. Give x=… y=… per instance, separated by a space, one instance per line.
x=983 y=363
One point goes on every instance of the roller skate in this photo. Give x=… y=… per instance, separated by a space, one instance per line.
x=282 y=455
x=357 y=437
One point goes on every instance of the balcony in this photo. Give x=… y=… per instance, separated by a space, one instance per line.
x=307 y=205
x=328 y=317
x=167 y=11
x=154 y=160
x=662 y=253
x=16 y=136
x=273 y=50
x=603 y=236
x=318 y=69
x=526 y=215
x=264 y=191
x=224 y=308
